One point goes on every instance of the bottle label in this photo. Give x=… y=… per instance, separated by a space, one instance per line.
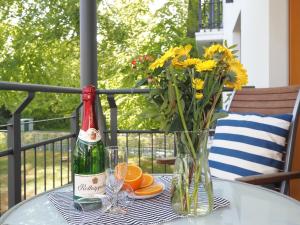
x=90 y=135
x=86 y=186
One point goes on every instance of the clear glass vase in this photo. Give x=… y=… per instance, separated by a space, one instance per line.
x=191 y=191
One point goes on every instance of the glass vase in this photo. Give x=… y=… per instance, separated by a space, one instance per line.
x=191 y=190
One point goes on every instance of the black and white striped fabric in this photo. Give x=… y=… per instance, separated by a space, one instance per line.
x=156 y=210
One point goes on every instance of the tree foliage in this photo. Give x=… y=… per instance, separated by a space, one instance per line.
x=131 y=29
x=192 y=21
x=39 y=43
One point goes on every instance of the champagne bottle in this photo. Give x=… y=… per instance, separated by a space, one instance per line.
x=89 y=153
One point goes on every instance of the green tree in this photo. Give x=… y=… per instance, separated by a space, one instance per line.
x=39 y=43
x=128 y=30
x=192 y=20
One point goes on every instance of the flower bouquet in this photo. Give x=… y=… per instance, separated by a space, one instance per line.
x=187 y=91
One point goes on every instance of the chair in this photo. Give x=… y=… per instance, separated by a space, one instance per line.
x=268 y=101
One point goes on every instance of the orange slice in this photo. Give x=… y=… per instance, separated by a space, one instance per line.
x=133 y=177
x=147 y=180
x=151 y=190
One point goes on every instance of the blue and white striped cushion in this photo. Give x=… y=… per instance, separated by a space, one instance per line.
x=248 y=144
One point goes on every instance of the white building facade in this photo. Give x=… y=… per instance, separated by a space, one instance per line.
x=260 y=28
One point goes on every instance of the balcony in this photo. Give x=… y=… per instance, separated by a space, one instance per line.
x=210 y=22
x=34 y=158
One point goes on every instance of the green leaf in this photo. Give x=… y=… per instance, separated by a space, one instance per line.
x=141 y=82
x=233 y=46
x=225 y=43
x=231 y=76
x=175 y=125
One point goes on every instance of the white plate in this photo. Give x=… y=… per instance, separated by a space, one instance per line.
x=134 y=196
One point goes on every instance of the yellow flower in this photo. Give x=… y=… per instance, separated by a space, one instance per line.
x=183 y=51
x=161 y=61
x=198 y=84
x=170 y=53
x=156 y=64
x=214 y=49
x=198 y=96
x=175 y=53
x=207 y=65
x=191 y=62
x=240 y=73
x=186 y=63
x=177 y=63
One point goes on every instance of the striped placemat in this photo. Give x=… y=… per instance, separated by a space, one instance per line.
x=156 y=210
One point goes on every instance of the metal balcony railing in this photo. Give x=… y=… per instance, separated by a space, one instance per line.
x=27 y=169
x=210 y=14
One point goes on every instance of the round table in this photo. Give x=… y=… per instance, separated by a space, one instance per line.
x=248 y=205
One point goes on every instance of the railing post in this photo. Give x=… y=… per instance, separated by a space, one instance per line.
x=75 y=125
x=113 y=120
x=14 y=160
x=88 y=53
x=211 y=14
x=220 y=14
x=75 y=122
x=200 y=14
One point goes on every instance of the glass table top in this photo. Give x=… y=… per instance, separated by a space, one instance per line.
x=249 y=205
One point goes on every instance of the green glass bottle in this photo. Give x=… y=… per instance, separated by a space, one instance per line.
x=88 y=160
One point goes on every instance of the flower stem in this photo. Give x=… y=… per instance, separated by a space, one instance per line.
x=196 y=187
x=211 y=112
x=180 y=193
x=187 y=193
x=183 y=122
